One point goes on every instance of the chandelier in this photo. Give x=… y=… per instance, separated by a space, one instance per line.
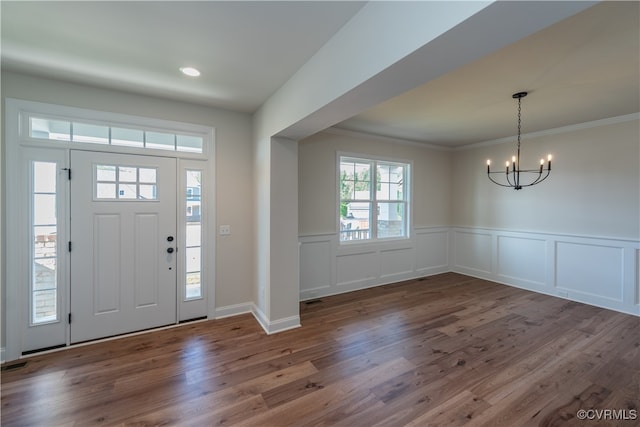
x=511 y=175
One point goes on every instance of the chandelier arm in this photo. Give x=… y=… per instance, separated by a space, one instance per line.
x=538 y=181
x=496 y=182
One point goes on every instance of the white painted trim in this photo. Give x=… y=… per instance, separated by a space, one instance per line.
x=276 y=326
x=416 y=143
x=234 y=310
x=386 y=139
x=553 y=131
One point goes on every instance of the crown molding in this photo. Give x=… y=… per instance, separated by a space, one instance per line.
x=358 y=134
x=554 y=131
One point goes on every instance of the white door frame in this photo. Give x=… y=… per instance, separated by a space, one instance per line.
x=16 y=247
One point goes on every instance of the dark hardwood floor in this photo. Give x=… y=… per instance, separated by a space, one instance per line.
x=448 y=350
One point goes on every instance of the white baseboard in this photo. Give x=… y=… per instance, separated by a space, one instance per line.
x=273 y=327
x=234 y=310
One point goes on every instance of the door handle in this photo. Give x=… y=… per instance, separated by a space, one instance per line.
x=170 y=250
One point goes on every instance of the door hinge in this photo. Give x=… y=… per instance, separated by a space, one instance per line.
x=69 y=318
x=69 y=245
x=68 y=172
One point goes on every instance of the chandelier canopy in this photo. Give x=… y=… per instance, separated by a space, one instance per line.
x=511 y=175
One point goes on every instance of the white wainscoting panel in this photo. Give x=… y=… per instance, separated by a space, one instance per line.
x=316 y=264
x=356 y=269
x=432 y=250
x=593 y=270
x=473 y=250
x=522 y=259
x=328 y=268
x=590 y=269
x=395 y=264
x=597 y=271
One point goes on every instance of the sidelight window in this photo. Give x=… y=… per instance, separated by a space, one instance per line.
x=193 y=233
x=44 y=250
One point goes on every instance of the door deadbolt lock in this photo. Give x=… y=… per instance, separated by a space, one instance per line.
x=170 y=250
x=170 y=239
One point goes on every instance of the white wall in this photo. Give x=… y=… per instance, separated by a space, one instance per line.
x=592 y=190
x=234 y=167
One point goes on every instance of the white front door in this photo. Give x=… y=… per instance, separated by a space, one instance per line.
x=123 y=244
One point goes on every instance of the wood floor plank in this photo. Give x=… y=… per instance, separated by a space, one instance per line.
x=447 y=350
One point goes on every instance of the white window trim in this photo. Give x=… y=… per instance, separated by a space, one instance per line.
x=409 y=191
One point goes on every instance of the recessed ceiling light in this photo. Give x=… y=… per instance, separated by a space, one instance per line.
x=190 y=71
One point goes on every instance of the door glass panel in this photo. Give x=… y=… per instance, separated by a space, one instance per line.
x=147 y=192
x=148 y=175
x=127 y=174
x=193 y=232
x=127 y=191
x=44 y=253
x=114 y=182
x=106 y=173
x=105 y=191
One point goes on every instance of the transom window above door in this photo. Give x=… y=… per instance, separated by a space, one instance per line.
x=91 y=133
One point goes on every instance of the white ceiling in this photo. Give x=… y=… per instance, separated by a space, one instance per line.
x=581 y=69
x=245 y=50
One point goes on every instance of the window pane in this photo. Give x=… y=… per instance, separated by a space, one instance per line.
x=59 y=130
x=390 y=182
x=194 y=286
x=160 y=141
x=45 y=306
x=127 y=174
x=44 y=177
x=105 y=173
x=95 y=134
x=127 y=191
x=355 y=224
x=355 y=180
x=193 y=259
x=148 y=192
x=127 y=137
x=44 y=209
x=391 y=220
x=189 y=143
x=147 y=175
x=105 y=191
x=193 y=234
x=44 y=241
